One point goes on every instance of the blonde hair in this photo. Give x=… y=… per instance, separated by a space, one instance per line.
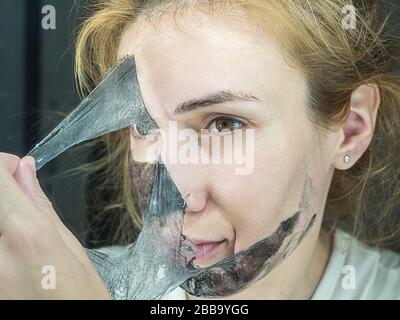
x=336 y=60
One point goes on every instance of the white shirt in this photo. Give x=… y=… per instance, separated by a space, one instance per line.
x=355 y=271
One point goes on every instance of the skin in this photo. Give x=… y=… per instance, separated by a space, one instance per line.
x=175 y=65
x=205 y=55
x=32 y=236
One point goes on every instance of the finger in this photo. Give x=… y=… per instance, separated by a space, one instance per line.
x=15 y=205
x=9 y=162
x=23 y=196
x=9 y=190
x=13 y=202
x=23 y=177
x=26 y=178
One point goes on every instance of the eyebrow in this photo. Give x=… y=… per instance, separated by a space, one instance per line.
x=214 y=98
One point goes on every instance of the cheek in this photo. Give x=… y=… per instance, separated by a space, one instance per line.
x=256 y=204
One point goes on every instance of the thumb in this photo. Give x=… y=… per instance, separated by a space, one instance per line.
x=25 y=176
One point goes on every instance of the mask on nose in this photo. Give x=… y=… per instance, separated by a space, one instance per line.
x=161 y=258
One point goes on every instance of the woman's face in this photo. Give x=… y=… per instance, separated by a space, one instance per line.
x=203 y=57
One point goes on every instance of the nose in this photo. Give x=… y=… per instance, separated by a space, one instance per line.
x=195 y=201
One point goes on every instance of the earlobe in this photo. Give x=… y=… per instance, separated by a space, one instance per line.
x=358 y=129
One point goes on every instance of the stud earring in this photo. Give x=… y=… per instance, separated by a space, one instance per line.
x=347 y=158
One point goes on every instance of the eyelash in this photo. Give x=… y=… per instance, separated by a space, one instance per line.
x=138 y=135
x=229 y=118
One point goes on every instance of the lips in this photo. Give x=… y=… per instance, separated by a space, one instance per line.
x=206 y=248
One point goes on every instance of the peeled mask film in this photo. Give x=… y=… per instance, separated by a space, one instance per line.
x=162 y=257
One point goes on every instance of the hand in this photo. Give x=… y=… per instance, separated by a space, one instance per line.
x=32 y=237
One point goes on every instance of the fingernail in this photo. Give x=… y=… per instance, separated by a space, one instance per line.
x=31 y=161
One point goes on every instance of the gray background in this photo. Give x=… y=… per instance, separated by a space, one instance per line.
x=37 y=87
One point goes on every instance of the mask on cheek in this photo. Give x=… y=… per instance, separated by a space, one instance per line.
x=242 y=269
x=161 y=258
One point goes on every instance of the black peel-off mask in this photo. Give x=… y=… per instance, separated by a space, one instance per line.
x=239 y=271
x=162 y=258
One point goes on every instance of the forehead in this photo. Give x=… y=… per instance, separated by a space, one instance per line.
x=183 y=58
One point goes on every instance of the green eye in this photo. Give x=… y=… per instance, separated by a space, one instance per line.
x=223 y=124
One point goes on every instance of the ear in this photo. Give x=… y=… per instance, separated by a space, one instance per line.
x=357 y=131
